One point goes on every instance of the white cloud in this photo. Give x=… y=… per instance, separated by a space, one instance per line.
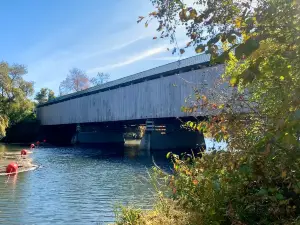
x=131 y=60
x=96 y=53
x=168 y=58
x=117 y=47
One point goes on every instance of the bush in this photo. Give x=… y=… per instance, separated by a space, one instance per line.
x=127 y=215
x=226 y=188
x=257 y=179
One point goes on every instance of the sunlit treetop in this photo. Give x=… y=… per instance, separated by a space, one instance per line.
x=259 y=43
x=212 y=23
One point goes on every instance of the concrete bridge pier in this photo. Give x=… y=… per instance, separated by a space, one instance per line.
x=147 y=138
x=98 y=135
x=170 y=137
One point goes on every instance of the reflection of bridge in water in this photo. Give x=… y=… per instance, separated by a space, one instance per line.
x=101 y=113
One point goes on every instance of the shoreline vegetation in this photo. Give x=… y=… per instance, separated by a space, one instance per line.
x=257 y=179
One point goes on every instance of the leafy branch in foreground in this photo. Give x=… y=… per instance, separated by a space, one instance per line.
x=256 y=179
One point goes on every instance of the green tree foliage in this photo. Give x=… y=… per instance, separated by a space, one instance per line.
x=256 y=180
x=260 y=48
x=14 y=95
x=51 y=95
x=44 y=95
x=101 y=78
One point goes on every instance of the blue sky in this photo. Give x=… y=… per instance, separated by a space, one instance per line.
x=53 y=36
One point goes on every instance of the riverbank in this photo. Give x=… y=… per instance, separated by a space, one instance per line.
x=24 y=163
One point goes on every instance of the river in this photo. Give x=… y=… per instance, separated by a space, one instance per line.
x=76 y=185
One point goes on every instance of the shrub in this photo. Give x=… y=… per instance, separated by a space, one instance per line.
x=257 y=179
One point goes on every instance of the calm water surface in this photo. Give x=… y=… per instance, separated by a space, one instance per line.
x=74 y=186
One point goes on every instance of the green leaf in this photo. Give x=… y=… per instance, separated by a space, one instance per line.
x=281 y=77
x=168 y=155
x=216 y=185
x=232 y=39
x=233 y=81
x=279 y=196
x=247 y=48
x=200 y=48
x=245 y=169
x=262 y=192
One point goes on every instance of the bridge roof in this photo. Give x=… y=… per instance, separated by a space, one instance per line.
x=164 y=70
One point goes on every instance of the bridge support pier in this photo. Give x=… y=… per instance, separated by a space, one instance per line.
x=99 y=135
x=146 y=140
x=170 y=137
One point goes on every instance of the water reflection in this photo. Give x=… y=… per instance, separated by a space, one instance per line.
x=12 y=180
x=77 y=185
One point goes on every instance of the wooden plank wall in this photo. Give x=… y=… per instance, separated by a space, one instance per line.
x=159 y=98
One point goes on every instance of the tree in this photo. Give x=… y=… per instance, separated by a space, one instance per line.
x=101 y=78
x=44 y=95
x=12 y=84
x=260 y=47
x=77 y=80
x=51 y=95
x=256 y=180
x=14 y=95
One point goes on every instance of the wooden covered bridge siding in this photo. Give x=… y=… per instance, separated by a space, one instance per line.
x=156 y=98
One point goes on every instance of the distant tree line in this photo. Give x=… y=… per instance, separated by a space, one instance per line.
x=16 y=104
x=44 y=95
x=78 y=80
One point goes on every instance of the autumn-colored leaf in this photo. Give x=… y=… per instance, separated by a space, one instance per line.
x=153 y=13
x=195 y=182
x=193 y=14
x=182 y=15
x=193 y=36
x=174 y=190
x=283 y=174
x=238 y=22
x=154 y=38
x=188 y=44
